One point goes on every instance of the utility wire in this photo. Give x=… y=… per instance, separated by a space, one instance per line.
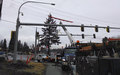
x=78 y=15
x=71 y=14
x=75 y=15
x=44 y=9
x=8 y=21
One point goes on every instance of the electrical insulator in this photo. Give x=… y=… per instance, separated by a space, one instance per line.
x=94 y=36
x=82 y=27
x=83 y=36
x=108 y=29
x=96 y=28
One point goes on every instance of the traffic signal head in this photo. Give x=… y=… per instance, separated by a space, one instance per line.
x=77 y=43
x=94 y=36
x=82 y=27
x=83 y=36
x=108 y=29
x=96 y=28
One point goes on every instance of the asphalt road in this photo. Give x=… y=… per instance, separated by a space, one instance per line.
x=54 y=70
x=51 y=69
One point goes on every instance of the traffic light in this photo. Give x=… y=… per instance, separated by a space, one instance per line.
x=108 y=29
x=83 y=36
x=94 y=36
x=77 y=42
x=78 y=46
x=96 y=28
x=82 y=27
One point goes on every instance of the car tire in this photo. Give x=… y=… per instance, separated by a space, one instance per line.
x=38 y=60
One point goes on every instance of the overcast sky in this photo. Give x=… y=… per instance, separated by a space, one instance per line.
x=88 y=12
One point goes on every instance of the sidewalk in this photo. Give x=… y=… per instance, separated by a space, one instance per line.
x=51 y=69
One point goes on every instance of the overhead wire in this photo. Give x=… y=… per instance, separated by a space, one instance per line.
x=8 y=21
x=76 y=15
x=79 y=15
x=48 y=10
x=67 y=13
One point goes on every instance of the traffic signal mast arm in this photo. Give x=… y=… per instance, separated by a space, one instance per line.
x=40 y=24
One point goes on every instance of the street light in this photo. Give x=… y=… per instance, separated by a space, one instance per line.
x=18 y=25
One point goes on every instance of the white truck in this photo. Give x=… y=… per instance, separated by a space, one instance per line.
x=42 y=58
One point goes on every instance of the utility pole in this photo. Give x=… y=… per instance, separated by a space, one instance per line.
x=48 y=48
x=49 y=42
x=35 y=42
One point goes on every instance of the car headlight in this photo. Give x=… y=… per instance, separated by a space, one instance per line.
x=63 y=59
x=65 y=63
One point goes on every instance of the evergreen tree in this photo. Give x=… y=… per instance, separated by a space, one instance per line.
x=26 y=47
x=12 y=41
x=20 y=46
x=50 y=33
x=1 y=44
x=4 y=44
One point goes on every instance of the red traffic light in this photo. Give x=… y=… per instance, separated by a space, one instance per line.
x=78 y=41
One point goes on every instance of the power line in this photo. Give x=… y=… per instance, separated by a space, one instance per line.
x=48 y=9
x=72 y=14
x=7 y=21
x=41 y=8
x=78 y=15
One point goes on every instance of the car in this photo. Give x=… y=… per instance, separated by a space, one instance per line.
x=39 y=58
x=42 y=58
x=10 y=54
x=2 y=56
